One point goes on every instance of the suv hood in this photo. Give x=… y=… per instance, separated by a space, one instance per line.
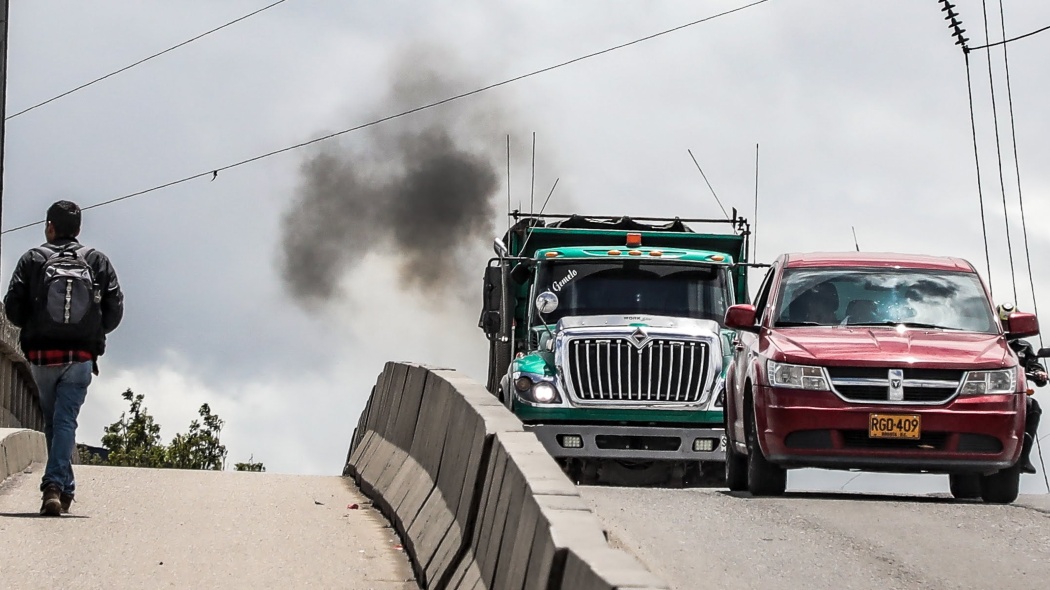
x=882 y=346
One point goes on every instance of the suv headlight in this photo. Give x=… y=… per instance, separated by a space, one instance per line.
x=536 y=389
x=989 y=382
x=796 y=376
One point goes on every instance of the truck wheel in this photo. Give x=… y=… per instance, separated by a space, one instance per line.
x=763 y=477
x=965 y=486
x=1001 y=487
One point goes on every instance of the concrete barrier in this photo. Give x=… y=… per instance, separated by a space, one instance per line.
x=19 y=449
x=477 y=501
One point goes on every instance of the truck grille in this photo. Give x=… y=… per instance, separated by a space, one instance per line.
x=615 y=369
x=871 y=384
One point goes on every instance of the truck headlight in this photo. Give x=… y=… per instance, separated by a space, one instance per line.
x=544 y=393
x=536 y=389
x=989 y=382
x=796 y=376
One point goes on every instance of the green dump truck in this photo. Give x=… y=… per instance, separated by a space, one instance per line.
x=606 y=338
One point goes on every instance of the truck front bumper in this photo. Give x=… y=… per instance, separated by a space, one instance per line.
x=637 y=443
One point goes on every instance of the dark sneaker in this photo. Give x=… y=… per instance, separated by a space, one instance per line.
x=67 y=501
x=52 y=505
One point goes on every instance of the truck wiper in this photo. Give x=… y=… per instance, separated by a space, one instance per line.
x=793 y=324
x=905 y=324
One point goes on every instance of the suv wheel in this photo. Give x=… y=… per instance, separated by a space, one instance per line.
x=763 y=477
x=1001 y=487
x=965 y=486
x=736 y=463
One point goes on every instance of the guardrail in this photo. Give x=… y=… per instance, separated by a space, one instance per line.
x=19 y=401
x=477 y=501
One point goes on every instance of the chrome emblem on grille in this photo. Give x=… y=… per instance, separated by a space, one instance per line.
x=639 y=337
x=896 y=385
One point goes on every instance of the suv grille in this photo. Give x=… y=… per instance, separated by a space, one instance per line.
x=615 y=369
x=871 y=384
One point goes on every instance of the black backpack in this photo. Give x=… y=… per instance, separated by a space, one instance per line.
x=67 y=300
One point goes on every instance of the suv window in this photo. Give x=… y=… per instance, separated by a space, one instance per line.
x=884 y=296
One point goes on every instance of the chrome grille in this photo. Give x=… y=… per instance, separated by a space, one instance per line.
x=616 y=369
x=870 y=384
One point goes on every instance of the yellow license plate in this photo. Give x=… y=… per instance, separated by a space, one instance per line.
x=894 y=426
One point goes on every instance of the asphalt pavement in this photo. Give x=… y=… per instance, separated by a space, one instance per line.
x=156 y=528
x=711 y=538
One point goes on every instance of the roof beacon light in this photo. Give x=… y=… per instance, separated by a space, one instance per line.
x=634 y=240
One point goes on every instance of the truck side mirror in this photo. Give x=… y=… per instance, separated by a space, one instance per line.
x=741 y=317
x=1021 y=325
x=1043 y=353
x=492 y=300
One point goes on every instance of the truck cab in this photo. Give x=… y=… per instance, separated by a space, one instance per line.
x=614 y=353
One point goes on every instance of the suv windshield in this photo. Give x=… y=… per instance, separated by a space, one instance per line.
x=629 y=287
x=879 y=296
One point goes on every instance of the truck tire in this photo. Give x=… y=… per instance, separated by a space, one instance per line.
x=965 y=486
x=1002 y=486
x=763 y=477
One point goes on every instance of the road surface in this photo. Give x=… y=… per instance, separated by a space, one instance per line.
x=709 y=538
x=153 y=528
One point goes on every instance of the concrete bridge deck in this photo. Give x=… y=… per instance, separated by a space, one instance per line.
x=154 y=528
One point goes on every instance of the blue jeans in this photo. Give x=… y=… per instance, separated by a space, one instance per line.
x=63 y=389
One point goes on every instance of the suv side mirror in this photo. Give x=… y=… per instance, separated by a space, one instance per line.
x=741 y=317
x=1043 y=353
x=1021 y=325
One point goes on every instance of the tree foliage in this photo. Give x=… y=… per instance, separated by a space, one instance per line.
x=134 y=441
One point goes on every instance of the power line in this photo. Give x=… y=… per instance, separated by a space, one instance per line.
x=1046 y=28
x=214 y=172
x=999 y=153
x=145 y=59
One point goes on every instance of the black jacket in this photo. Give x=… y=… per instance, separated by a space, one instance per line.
x=1030 y=362
x=18 y=303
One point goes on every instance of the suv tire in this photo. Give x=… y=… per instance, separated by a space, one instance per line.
x=965 y=486
x=736 y=464
x=763 y=477
x=1002 y=486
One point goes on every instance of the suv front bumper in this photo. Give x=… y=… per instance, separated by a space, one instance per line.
x=817 y=429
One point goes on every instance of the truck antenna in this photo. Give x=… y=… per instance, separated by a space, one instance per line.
x=855 y=242
x=754 y=221
x=532 y=195
x=542 y=209
x=713 y=193
x=510 y=221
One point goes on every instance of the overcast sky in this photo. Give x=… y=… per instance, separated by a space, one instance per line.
x=860 y=109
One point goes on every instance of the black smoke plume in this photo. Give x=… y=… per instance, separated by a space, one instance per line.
x=416 y=197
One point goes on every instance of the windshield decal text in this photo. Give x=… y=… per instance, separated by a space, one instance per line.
x=557 y=285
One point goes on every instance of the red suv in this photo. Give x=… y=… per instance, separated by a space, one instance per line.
x=877 y=362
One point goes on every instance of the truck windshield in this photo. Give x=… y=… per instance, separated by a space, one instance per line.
x=878 y=296
x=632 y=287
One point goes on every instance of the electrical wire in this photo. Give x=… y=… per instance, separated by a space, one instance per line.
x=977 y=161
x=1046 y=28
x=214 y=172
x=1020 y=200
x=144 y=60
x=999 y=153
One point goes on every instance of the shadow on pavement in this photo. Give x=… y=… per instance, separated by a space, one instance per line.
x=38 y=516
x=858 y=497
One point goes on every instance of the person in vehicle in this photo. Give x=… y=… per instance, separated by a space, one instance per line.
x=1036 y=373
x=816 y=305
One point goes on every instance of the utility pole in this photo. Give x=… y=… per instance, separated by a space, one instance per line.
x=5 y=5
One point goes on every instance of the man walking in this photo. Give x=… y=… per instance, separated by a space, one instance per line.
x=65 y=297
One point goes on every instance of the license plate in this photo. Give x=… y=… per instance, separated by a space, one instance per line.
x=894 y=426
